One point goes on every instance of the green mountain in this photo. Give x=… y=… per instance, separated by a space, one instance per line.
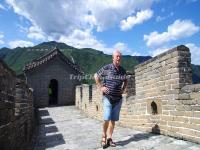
x=90 y=60
x=3 y=52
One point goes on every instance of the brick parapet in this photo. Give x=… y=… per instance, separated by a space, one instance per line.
x=160 y=97
x=16 y=111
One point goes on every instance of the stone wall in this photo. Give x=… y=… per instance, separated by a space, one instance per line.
x=39 y=79
x=16 y=111
x=160 y=97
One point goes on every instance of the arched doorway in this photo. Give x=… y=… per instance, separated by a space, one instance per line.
x=53 y=92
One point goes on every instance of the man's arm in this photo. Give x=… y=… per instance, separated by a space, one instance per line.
x=100 y=86
x=97 y=80
x=124 y=85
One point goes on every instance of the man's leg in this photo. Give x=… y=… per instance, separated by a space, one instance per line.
x=105 y=127
x=114 y=117
x=107 y=107
x=110 y=133
x=104 y=135
x=111 y=128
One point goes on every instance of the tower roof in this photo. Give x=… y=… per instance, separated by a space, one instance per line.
x=49 y=56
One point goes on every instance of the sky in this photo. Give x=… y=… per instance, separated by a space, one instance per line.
x=135 y=27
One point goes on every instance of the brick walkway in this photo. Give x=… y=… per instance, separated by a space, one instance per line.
x=67 y=128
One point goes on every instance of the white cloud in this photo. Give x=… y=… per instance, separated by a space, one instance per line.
x=134 y=20
x=179 y=29
x=155 y=39
x=81 y=39
x=74 y=22
x=51 y=16
x=20 y=43
x=1 y=35
x=195 y=53
x=136 y=54
x=85 y=39
x=1 y=38
x=1 y=41
x=58 y=19
x=36 y=33
x=194 y=50
x=108 y=13
x=161 y=18
x=65 y=16
x=159 y=50
x=22 y=29
x=122 y=47
x=2 y=7
x=33 y=32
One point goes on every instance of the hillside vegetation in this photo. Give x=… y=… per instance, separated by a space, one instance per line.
x=89 y=60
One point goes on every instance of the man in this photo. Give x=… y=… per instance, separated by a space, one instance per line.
x=111 y=80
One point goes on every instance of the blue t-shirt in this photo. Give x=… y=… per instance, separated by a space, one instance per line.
x=112 y=78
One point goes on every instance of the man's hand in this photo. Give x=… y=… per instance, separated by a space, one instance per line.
x=123 y=91
x=124 y=87
x=104 y=90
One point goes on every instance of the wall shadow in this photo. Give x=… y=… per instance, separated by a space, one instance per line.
x=43 y=113
x=48 y=134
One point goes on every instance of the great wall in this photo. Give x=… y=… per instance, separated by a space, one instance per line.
x=160 y=98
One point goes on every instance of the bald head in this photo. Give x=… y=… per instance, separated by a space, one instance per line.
x=117 y=58
x=116 y=52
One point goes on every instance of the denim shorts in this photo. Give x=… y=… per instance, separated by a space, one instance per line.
x=111 y=111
